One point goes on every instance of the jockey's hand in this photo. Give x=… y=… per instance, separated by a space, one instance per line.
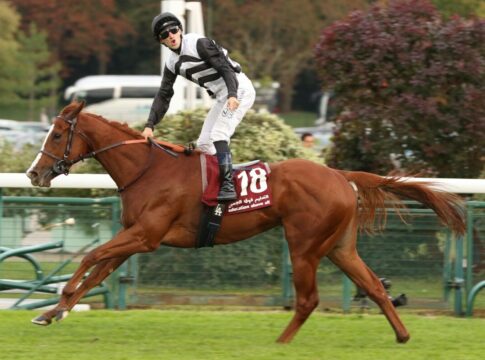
x=232 y=103
x=147 y=133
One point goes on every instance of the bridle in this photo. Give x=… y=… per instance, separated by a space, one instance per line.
x=63 y=165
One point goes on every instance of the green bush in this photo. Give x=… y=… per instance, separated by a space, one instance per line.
x=259 y=136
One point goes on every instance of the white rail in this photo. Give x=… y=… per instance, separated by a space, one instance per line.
x=103 y=181
x=457 y=186
x=75 y=181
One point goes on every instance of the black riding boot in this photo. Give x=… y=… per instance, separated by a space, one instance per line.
x=227 y=192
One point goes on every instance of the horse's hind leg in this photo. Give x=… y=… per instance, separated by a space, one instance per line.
x=304 y=278
x=307 y=246
x=347 y=259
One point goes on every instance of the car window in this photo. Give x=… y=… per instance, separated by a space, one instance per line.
x=95 y=95
x=138 y=92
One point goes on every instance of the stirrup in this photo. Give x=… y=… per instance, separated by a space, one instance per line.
x=227 y=195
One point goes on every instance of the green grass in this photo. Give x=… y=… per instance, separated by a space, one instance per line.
x=211 y=335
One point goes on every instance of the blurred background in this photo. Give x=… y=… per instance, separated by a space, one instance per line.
x=310 y=61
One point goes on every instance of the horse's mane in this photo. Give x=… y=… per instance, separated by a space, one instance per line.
x=120 y=126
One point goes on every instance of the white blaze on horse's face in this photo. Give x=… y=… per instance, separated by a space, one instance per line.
x=41 y=171
x=39 y=155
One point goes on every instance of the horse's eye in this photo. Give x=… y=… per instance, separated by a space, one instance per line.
x=57 y=136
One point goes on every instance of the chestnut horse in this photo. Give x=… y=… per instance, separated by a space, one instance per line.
x=321 y=210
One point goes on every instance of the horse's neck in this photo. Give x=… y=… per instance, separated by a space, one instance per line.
x=123 y=162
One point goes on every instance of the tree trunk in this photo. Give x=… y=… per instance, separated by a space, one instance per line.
x=102 y=64
x=31 y=105
x=286 y=96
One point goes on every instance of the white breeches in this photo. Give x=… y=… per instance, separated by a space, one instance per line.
x=221 y=123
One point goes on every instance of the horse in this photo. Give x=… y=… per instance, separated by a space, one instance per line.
x=321 y=210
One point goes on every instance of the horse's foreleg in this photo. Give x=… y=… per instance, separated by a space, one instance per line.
x=95 y=277
x=350 y=263
x=59 y=310
x=125 y=243
x=304 y=278
x=100 y=272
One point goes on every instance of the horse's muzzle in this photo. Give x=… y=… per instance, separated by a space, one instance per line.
x=37 y=180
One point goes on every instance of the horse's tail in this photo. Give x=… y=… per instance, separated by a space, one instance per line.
x=374 y=191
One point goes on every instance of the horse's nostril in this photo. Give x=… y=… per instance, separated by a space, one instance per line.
x=32 y=174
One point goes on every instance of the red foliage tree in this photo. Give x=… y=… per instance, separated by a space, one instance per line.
x=409 y=90
x=77 y=30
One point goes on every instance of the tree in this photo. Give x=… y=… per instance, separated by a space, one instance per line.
x=9 y=74
x=26 y=69
x=449 y=8
x=42 y=80
x=140 y=54
x=461 y=7
x=77 y=30
x=275 y=38
x=409 y=89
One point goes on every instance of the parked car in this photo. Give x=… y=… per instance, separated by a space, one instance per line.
x=129 y=98
x=7 y=125
x=20 y=133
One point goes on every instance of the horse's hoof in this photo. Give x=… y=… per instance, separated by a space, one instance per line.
x=61 y=315
x=403 y=339
x=41 y=320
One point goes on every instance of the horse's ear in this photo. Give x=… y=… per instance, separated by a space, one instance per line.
x=76 y=110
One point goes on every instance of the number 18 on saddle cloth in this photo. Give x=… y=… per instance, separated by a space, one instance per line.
x=250 y=180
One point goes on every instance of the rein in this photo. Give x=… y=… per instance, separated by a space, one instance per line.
x=63 y=165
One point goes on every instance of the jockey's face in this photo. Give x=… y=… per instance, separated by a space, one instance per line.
x=173 y=39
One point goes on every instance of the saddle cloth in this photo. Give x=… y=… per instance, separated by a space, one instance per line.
x=250 y=180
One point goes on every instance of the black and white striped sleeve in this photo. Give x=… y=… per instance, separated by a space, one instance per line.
x=161 y=101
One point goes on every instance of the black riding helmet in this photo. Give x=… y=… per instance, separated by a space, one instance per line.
x=162 y=21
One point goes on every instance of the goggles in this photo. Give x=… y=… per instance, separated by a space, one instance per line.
x=164 y=34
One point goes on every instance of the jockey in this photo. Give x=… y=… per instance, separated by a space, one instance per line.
x=204 y=62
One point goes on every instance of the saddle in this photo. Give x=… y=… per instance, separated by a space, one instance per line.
x=250 y=180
